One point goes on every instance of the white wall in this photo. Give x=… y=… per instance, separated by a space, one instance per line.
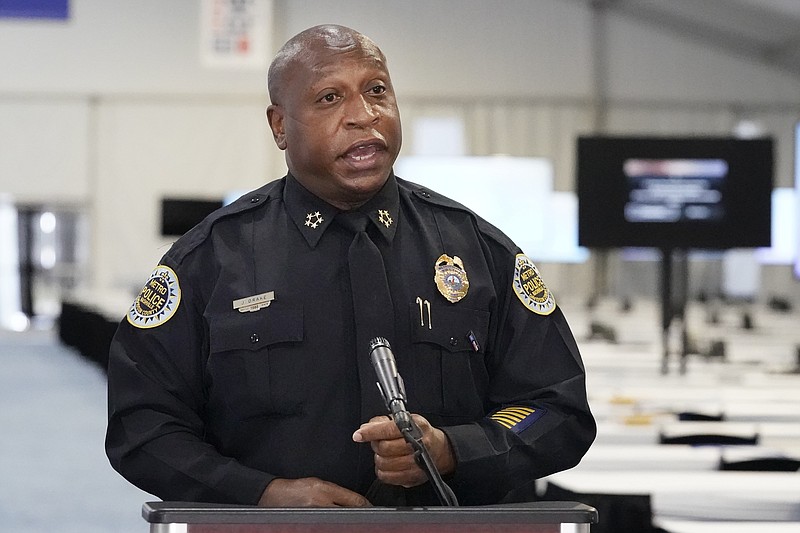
x=173 y=147
x=43 y=148
x=113 y=47
x=113 y=108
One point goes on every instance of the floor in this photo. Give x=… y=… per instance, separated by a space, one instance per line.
x=54 y=475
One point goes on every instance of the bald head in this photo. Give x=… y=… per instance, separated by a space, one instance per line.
x=334 y=114
x=303 y=49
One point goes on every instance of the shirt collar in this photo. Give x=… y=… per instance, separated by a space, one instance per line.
x=312 y=215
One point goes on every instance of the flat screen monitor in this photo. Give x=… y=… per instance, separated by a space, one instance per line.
x=688 y=192
x=179 y=215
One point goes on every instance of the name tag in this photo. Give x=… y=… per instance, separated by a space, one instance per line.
x=254 y=303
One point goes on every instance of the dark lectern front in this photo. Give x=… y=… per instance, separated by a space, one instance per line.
x=535 y=517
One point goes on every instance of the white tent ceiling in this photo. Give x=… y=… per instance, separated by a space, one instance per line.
x=767 y=31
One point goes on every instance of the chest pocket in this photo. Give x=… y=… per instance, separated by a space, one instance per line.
x=447 y=358
x=253 y=365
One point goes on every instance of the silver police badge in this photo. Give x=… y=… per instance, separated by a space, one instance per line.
x=451 y=278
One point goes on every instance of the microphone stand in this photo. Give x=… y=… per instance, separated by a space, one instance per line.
x=393 y=391
x=413 y=436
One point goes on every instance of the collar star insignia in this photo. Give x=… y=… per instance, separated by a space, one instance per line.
x=384 y=218
x=314 y=219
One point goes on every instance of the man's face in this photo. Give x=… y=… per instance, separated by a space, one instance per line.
x=338 y=121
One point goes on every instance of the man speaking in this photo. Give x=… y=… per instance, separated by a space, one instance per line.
x=248 y=378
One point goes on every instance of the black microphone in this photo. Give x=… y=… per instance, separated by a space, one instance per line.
x=389 y=381
x=394 y=396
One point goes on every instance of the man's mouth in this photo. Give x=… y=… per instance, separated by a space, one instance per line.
x=363 y=152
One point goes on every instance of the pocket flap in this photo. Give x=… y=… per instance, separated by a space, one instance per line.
x=451 y=328
x=256 y=330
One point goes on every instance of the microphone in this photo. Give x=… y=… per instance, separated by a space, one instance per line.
x=389 y=381
x=394 y=396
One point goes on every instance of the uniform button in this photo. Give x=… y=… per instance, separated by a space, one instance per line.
x=453 y=341
x=426 y=194
x=254 y=199
x=254 y=338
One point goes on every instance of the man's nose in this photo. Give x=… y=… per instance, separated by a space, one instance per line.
x=360 y=112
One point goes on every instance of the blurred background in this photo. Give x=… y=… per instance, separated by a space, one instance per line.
x=123 y=123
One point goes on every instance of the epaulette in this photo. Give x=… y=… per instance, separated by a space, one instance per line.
x=433 y=197
x=247 y=202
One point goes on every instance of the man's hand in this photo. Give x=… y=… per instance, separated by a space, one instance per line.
x=394 y=457
x=309 y=492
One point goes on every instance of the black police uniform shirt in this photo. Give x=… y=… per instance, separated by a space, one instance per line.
x=237 y=363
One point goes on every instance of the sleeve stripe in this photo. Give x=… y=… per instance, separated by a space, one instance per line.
x=520 y=411
x=516 y=418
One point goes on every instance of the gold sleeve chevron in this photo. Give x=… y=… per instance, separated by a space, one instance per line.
x=516 y=418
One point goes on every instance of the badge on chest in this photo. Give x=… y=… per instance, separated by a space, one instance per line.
x=451 y=278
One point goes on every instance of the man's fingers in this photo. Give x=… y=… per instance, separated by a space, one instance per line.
x=401 y=471
x=309 y=492
x=391 y=448
x=342 y=497
x=379 y=428
x=395 y=464
x=394 y=457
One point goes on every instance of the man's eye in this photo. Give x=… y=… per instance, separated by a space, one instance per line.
x=328 y=98
x=378 y=89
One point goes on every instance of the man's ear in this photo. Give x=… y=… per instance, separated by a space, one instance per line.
x=275 y=121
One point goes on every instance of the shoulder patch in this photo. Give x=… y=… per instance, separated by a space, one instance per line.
x=158 y=299
x=516 y=418
x=530 y=288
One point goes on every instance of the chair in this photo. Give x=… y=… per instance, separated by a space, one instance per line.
x=762 y=464
x=691 y=416
x=709 y=439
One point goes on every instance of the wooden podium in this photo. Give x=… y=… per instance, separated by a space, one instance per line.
x=534 y=517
